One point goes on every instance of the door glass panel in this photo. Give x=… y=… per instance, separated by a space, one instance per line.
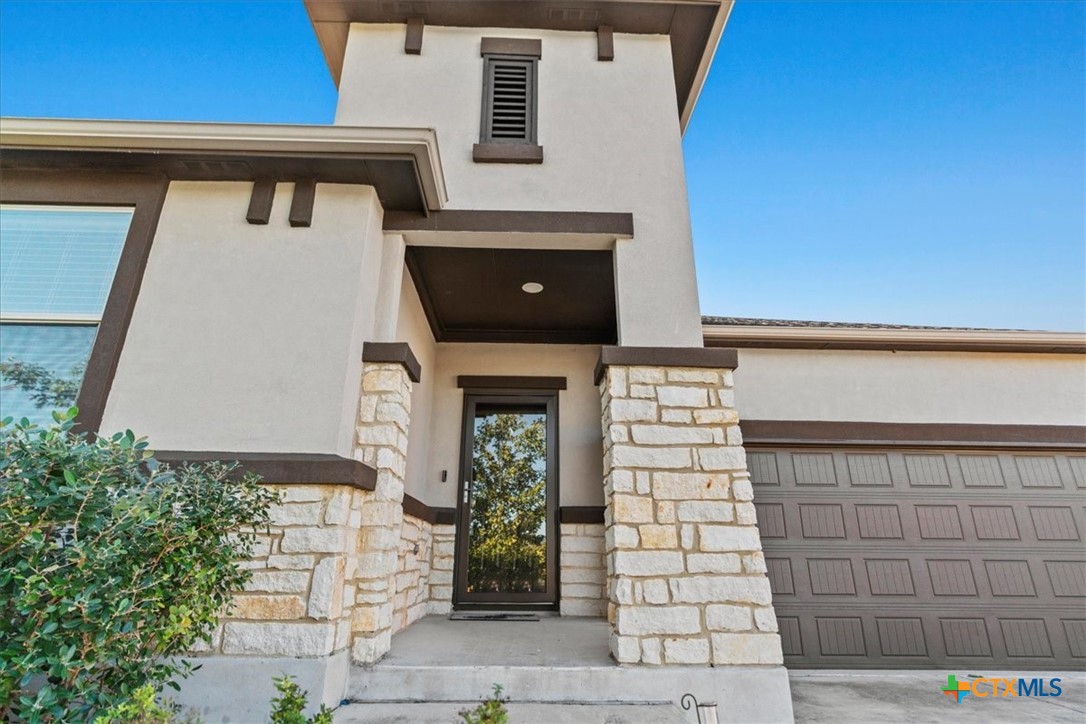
x=507 y=532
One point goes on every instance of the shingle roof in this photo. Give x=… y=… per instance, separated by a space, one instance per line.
x=757 y=322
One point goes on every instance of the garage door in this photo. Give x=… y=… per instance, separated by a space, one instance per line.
x=925 y=558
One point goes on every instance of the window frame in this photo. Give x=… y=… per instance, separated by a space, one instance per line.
x=505 y=150
x=145 y=195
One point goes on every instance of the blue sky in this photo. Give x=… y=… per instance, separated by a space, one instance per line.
x=904 y=162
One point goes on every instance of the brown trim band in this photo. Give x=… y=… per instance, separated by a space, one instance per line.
x=412 y=43
x=530 y=47
x=146 y=195
x=665 y=357
x=510 y=383
x=581 y=514
x=301 y=204
x=960 y=345
x=292 y=468
x=435 y=516
x=523 y=222
x=507 y=153
x=395 y=353
x=260 y=201
x=803 y=432
x=605 y=43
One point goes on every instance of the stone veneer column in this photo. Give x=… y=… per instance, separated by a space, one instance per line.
x=383 y=420
x=686 y=576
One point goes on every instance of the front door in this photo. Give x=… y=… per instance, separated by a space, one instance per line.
x=506 y=520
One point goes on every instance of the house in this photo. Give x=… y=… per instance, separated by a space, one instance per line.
x=459 y=329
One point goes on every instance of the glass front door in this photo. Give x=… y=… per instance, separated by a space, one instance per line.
x=506 y=533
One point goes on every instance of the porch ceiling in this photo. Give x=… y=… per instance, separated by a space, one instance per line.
x=475 y=295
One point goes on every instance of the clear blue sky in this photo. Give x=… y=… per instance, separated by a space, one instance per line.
x=905 y=162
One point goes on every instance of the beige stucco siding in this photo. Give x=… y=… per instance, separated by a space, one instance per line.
x=610 y=140
x=248 y=337
x=580 y=459
x=414 y=329
x=921 y=387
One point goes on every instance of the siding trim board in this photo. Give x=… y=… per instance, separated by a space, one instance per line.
x=285 y=468
x=905 y=434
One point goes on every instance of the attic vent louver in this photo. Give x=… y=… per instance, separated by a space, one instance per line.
x=510 y=100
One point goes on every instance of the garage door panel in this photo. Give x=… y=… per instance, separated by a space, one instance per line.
x=924 y=558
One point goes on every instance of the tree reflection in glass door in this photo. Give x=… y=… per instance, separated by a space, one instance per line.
x=507 y=533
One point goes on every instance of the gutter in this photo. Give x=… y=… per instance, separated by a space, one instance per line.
x=925 y=340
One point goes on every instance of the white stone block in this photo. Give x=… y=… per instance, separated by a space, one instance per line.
x=648 y=563
x=713 y=563
x=647 y=375
x=697 y=511
x=670 y=435
x=326 y=593
x=746 y=648
x=279 y=638
x=722 y=458
x=296 y=514
x=655 y=591
x=615 y=383
x=633 y=410
x=745 y=514
x=626 y=649
x=742 y=489
x=686 y=651
x=631 y=509
x=651 y=652
x=704 y=376
x=683 y=417
x=654 y=458
x=302 y=493
x=690 y=486
x=729 y=538
x=766 y=619
x=673 y=396
x=728 y=618
x=648 y=620
x=313 y=540
x=278 y=581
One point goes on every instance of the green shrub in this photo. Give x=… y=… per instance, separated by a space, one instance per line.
x=490 y=711
x=110 y=567
x=287 y=708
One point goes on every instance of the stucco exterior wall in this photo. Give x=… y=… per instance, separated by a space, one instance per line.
x=595 y=157
x=248 y=337
x=919 y=387
x=413 y=329
x=580 y=465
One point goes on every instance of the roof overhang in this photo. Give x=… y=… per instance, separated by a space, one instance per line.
x=946 y=340
x=403 y=164
x=694 y=26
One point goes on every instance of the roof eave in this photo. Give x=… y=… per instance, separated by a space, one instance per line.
x=751 y=336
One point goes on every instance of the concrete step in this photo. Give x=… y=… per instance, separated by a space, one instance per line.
x=748 y=694
x=448 y=713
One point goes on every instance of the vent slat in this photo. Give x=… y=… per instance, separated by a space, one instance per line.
x=509 y=105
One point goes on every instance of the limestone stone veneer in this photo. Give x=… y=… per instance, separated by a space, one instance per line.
x=686 y=576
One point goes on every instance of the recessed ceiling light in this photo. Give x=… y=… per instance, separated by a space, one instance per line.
x=532 y=287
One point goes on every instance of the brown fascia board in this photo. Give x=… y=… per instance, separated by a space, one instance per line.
x=237 y=151
x=893 y=340
x=284 y=468
x=694 y=26
x=665 y=357
x=394 y=353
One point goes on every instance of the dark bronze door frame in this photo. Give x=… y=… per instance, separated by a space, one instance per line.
x=513 y=400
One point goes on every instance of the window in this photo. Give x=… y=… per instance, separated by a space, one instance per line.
x=57 y=265
x=508 y=128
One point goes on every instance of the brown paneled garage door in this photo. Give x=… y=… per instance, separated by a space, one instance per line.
x=925 y=558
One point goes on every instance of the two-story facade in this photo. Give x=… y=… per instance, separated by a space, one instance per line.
x=459 y=328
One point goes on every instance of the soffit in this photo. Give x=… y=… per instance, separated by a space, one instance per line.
x=475 y=295
x=694 y=26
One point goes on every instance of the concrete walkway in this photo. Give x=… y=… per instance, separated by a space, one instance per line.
x=914 y=697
